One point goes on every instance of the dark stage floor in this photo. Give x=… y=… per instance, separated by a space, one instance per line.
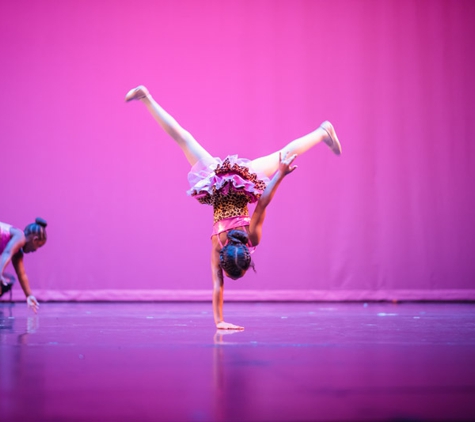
x=293 y=362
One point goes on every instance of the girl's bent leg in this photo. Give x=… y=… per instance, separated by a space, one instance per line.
x=270 y=163
x=193 y=151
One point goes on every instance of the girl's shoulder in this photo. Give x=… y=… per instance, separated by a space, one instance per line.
x=216 y=242
x=4 y=227
x=9 y=230
x=5 y=235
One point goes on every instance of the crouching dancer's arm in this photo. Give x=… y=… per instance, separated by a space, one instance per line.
x=17 y=262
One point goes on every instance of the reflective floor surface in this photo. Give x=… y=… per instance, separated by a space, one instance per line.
x=293 y=362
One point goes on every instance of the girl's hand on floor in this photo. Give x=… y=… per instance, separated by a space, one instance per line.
x=227 y=326
x=32 y=303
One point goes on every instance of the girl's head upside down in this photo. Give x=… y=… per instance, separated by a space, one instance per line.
x=235 y=257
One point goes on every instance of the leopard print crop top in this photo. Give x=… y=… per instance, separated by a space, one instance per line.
x=232 y=204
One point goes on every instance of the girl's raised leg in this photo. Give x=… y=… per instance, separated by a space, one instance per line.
x=191 y=148
x=270 y=163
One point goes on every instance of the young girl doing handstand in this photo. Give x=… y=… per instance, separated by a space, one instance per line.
x=229 y=185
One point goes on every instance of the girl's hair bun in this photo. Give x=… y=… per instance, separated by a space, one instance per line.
x=41 y=222
x=238 y=236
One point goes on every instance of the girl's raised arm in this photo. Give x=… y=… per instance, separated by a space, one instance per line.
x=259 y=215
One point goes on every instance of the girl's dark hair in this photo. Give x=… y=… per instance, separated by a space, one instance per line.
x=38 y=228
x=235 y=256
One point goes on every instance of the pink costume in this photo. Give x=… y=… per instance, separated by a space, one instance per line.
x=229 y=224
x=5 y=235
x=228 y=185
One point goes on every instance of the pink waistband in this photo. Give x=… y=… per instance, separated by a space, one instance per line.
x=230 y=223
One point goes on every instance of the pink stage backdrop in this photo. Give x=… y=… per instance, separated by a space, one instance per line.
x=393 y=218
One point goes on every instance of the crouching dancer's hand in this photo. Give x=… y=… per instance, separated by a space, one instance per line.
x=227 y=326
x=32 y=303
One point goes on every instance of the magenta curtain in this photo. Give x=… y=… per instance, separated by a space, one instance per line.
x=393 y=218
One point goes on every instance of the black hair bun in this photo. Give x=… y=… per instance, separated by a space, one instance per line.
x=238 y=236
x=41 y=222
